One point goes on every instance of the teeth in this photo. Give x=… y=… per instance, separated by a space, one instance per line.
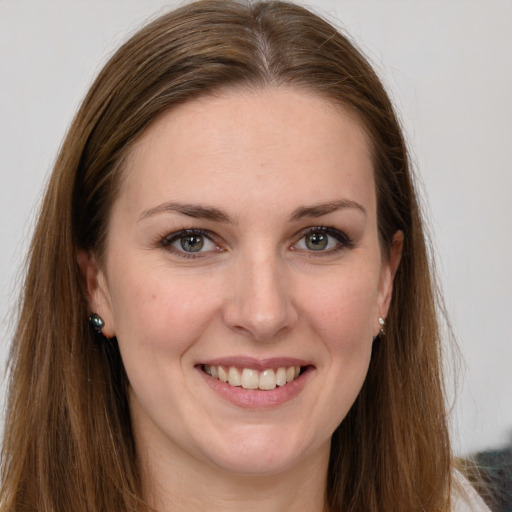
x=249 y=378
x=281 y=376
x=267 y=379
x=234 y=377
x=223 y=374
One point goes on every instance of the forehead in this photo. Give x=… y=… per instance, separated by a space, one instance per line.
x=271 y=144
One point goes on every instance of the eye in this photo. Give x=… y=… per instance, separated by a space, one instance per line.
x=323 y=239
x=189 y=242
x=316 y=241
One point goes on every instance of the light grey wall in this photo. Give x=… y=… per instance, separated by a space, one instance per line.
x=448 y=64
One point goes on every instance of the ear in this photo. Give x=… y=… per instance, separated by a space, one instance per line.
x=387 y=275
x=96 y=289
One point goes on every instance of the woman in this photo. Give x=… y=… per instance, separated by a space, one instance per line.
x=228 y=290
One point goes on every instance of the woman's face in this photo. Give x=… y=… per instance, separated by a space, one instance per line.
x=243 y=244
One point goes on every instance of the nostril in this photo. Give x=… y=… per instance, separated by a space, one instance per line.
x=260 y=327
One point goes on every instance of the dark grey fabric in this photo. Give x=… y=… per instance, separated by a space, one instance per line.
x=495 y=472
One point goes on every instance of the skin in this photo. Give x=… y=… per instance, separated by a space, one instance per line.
x=259 y=160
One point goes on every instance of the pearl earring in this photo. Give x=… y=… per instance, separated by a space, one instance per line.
x=96 y=322
x=382 y=323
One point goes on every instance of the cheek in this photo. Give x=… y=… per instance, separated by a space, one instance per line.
x=341 y=318
x=344 y=309
x=159 y=311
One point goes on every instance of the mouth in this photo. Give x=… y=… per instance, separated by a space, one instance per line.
x=266 y=379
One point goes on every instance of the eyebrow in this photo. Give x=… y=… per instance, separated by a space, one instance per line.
x=318 y=210
x=190 y=210
x=211 y=213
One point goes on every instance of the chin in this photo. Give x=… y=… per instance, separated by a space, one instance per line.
x=264 y=452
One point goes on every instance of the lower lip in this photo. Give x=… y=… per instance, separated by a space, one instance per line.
x=257 y=398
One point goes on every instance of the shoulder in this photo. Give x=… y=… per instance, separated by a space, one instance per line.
x=465 y=498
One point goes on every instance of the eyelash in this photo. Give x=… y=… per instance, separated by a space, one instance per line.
x=168 y=240
x=343 y=241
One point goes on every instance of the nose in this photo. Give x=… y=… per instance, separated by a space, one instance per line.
x=260 y=303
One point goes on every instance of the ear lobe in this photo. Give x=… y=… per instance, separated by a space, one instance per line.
x=96 y=289
x=389 y=271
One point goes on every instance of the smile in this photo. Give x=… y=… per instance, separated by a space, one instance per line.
x=250 y=378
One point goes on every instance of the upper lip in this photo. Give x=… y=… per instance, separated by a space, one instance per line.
x=256 y=364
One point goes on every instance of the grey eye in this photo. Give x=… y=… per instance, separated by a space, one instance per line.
x=191 y=243
x=323 y=240
x=316 y=241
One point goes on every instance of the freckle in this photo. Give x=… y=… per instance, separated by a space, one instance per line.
x=153 y=296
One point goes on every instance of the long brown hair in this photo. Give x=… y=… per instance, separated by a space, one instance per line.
x=68 y=441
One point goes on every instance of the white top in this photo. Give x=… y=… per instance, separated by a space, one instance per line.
x=466 y=499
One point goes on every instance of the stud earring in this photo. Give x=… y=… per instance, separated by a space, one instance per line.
x=96 y=322
x=382 y=323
